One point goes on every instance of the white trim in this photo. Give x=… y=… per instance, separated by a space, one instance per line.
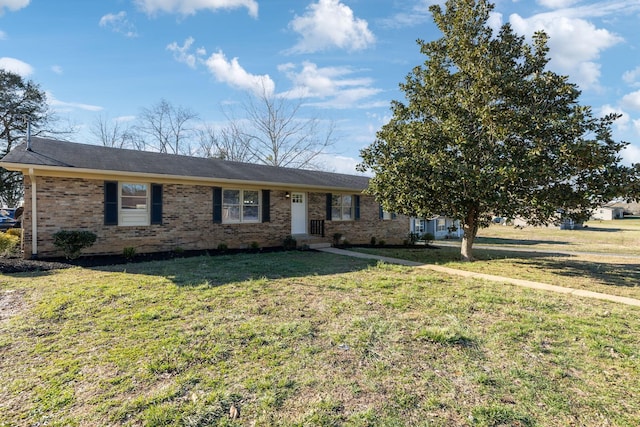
x=34 y=214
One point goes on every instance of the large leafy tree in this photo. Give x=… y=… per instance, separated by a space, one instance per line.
x=21 y=102
x=487 y=129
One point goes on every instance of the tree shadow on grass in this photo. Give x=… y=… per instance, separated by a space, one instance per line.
x=519 y=242
x=606 y=273
x=612 y=274
x=223 y=269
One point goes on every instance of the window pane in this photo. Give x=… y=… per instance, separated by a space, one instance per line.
x=336 y=213
x=336 y=200
x=231 y=213
x=346 y=213
x=346 y=201
x=133 y=196
x=250 y=197
x=231 y=197
x=250 y=213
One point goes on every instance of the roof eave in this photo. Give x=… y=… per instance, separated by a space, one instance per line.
x=101 y=174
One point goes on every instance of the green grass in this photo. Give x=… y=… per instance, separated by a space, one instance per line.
x=607 y=258
x=304 y=339
x=617 y=237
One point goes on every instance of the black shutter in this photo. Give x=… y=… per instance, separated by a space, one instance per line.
x=156 y=204
x=329 y=199
x=217 y=205
x=266 y=205
x=381 y=213
x=356 y=202
x=110 y=203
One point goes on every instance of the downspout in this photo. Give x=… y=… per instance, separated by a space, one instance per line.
x=34 y=215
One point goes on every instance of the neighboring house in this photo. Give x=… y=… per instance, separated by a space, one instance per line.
x=439 y=227
x=608 y=213
x=157 y=202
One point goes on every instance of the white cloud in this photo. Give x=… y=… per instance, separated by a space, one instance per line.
x=575 y=44
x=621 y=124
x=631 y=153
x=16 y=66
x=118 y=23
x=632 y=100
x=334 y=85
x=232 y=73
x=557 y=4
x=3 y=35
x=69 y=106
x=327 y=24
x=632 y=77
x=13 y=5
x=339 y=164
x=57 y=69
x=183 y=53
x=190 y=7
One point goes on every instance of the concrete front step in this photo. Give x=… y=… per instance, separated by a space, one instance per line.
x=312 y=242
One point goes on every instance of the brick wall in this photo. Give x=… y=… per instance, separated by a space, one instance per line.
x=78 y=204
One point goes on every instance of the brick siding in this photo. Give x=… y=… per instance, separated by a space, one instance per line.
x=187 y=222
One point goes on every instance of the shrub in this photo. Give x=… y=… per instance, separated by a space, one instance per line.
x=382 y=242
x=413 y=238
x=129 y=252
x=72 y=242
x=254 y=245
x=290 y=242
x=428 y=238
x=337 y=239
x=15 y=232
x=373 y=241
x=8 y=243
x=222 y=247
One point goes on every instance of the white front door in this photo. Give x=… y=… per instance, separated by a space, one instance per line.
x=298 y=213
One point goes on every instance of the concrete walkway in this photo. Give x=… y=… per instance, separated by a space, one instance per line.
x=490 y=277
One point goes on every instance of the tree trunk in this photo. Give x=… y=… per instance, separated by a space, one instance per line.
x=470 y=229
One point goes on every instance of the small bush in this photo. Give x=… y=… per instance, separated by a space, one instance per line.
x=337 y=239
x=290 y=243
x=72 y=242
x=15 y=232
x=8 y=243
x=413 y=238
x=428 y=238
x=373 y=241
x=254 y=245
x=222 y=247
x=382 y=242
x=129 y=252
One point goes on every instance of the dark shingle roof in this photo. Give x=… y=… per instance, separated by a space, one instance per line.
x=69 y=155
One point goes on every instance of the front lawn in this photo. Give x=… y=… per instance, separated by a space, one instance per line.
x=304 y=339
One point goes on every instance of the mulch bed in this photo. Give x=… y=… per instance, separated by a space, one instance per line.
x=16 y=264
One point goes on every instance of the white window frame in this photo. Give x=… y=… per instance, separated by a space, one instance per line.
x=241 y=205
x=141 y=214
x=338 y=209
x=441 y=224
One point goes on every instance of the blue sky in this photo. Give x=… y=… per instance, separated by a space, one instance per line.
x=111 y=58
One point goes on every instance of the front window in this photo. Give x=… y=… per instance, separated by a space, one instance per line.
x=240 y=206
x=441 y=224
x=134 y=202
x=342 y=207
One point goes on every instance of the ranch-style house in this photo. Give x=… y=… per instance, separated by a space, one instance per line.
x=156 y=202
